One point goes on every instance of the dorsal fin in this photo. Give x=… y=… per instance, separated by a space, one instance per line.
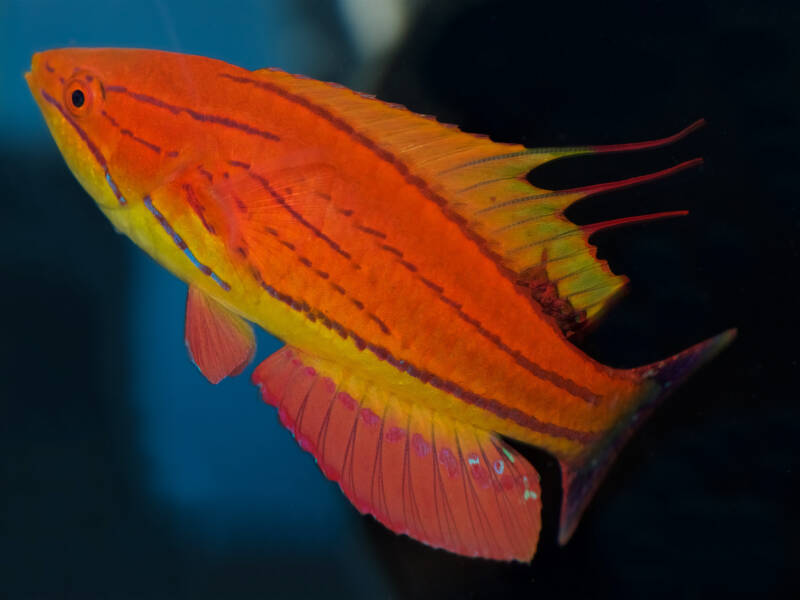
x=483 y=182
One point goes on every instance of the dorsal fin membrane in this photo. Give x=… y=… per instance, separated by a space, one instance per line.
x=484 y=183
x=445 y=483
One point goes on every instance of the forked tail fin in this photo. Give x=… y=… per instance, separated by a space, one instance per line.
x=580 y=479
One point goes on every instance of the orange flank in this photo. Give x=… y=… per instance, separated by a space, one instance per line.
x=424 y=289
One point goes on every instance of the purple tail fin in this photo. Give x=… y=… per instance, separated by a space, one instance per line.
x=581 y=479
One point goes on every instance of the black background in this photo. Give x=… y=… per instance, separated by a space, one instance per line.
x=702 y=499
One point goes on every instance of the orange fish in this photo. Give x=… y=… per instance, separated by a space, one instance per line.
x=424 y=288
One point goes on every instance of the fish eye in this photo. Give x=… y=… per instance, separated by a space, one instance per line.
x=78 y=96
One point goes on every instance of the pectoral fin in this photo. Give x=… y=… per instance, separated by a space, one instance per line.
x=445 y=483
x=220 y=343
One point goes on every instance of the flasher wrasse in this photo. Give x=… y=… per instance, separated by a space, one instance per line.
x=424 y=288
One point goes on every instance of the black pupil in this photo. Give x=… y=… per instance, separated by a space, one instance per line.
x=78 y=98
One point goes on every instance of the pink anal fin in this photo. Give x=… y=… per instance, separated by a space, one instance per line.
x=220 y=343
x=447 y=484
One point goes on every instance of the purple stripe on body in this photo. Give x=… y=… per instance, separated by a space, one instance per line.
x=98 y=156
x=368 y=230
x=83 y=135
x=323 y=275
x=494 y=406
x=143 y=142
x=205 y=269
x=127 y=132
x=197 y=116
x=197 y=207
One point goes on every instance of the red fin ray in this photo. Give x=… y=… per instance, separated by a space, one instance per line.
x=593 y=228
x=650 y=144
x=447 y=484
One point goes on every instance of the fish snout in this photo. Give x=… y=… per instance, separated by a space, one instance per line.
x=42 y=76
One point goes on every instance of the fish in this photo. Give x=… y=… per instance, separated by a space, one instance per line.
x=425 y=290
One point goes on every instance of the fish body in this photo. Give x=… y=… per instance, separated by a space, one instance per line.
x=425 y=290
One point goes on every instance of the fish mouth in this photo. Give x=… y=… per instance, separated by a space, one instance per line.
x=33 y=75
x=40 y=74
x=35 y=59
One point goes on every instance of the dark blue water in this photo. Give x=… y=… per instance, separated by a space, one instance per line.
x=125 y=474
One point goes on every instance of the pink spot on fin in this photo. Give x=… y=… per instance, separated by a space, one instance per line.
x=395 y=434
x=347 y=400
x=421 y=447
x=369 y=417
x=448 y=459
x=305 y=443
x=480 y=475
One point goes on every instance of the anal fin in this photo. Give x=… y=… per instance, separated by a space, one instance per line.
x=447 y=484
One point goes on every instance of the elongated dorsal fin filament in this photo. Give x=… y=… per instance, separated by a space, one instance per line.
x=595 y=227
x=651 y=144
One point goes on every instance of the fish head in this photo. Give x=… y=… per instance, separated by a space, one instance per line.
x=72 y=98
x=117 y=146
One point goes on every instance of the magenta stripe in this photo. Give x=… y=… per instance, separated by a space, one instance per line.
x=489 y=404
x=197 y=116
x=323 y=275
x=197 y=207
x=83 y=135
x=98 y=156
x=127 y=132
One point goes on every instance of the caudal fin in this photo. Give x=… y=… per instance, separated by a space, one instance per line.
x=581 y=479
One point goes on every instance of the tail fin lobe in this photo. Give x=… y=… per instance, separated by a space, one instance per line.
x=580 y=479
